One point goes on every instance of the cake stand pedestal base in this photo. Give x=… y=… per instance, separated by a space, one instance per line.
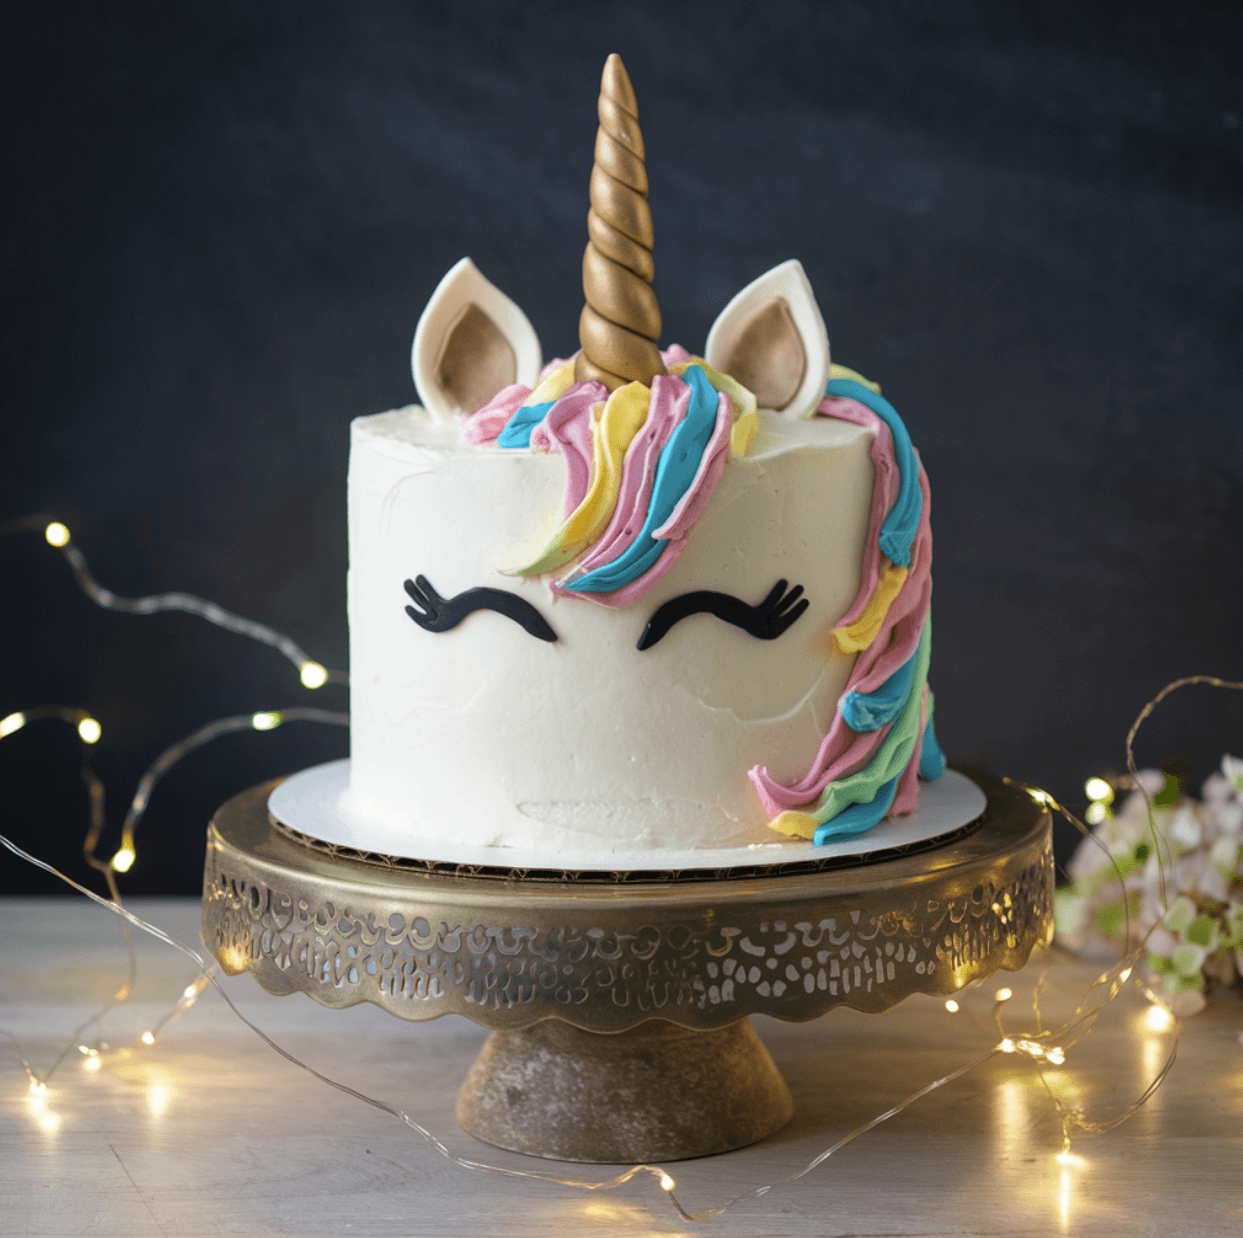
x=619 y=1001
x=658 y=1092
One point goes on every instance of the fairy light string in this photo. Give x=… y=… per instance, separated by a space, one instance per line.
x=1041 y=1048
x=125 y=855
x=312 y=673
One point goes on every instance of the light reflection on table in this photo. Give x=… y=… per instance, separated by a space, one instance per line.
x=208 y=1132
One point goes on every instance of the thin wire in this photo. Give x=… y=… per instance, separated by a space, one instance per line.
x=1213 y=681
x=138 y=807
x=1080 y=1022
x=205 y=734
x=209 y=974
x=95 y=797
x=186 y=602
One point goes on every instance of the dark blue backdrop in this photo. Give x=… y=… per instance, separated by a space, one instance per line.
x=223 y=221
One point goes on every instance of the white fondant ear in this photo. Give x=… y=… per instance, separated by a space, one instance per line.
x=471 y=341
x=771 y=338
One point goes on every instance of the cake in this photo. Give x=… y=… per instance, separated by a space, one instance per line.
x=638 y=599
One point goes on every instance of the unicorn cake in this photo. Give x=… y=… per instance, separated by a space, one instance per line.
x=638 y=599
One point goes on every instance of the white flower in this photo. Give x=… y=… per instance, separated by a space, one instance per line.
x=1216 y=789
x=1181 y=913
x=1185 y=828
x=1180 y=862
x=1188 y=1003
x=1214 y=883
x=1161 y=943
x=1230 y=817
x=1070 y=916
x=1224 y=854
x=1232 y=768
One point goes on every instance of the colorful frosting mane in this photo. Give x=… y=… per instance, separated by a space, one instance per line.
x=646 y=435
x=641 y=464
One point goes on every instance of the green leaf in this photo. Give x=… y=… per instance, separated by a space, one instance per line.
x=1200 y=931
x=1111 y=919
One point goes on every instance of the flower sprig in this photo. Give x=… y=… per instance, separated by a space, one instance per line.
x=1170 y=875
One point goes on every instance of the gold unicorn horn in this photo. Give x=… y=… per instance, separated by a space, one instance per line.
x=620 y=325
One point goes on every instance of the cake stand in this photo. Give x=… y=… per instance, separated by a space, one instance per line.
x=619 y=1001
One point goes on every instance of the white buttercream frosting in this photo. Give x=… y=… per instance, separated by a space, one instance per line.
x=488 y=735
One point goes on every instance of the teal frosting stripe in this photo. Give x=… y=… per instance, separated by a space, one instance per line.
x=869 y=711
x=859 y=817
x=931 y=758
x=675 y=470
x=519 y=428
x=890 y=759
x=898 y=531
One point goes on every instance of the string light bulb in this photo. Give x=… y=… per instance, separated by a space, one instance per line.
x=89 y=730
x=1099 y=791
x=14 y=722
x=266 y=721
x=1004 y=995
x=57 y=534
x=123 y=861
x=951 y=1006
x=666 y=1182
x=1158 y=1019
x=313 y=675
x=148 y=1038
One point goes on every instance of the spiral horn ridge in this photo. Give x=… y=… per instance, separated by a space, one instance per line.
x=619 y=328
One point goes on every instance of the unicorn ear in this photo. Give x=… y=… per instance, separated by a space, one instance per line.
x=471 y=341
x=771 y=338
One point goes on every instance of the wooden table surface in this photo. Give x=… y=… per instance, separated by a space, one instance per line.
x=209 y=1132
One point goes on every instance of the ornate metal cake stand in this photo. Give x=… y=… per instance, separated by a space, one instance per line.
x=619 y=1002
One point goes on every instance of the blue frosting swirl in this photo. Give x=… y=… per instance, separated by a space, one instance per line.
x=931 y=758
x=860 y=817
x=675 y=470
x=898 y=531
x=869 y=711
x=518 y=429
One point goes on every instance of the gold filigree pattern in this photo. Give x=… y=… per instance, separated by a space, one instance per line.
x=605 y=959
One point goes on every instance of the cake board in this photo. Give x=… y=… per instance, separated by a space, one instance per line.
x=619 y=1000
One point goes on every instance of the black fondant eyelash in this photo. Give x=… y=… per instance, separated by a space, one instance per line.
x=768 y=620
x=437 y=614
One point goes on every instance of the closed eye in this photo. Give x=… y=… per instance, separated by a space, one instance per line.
x=766 y=621
x=436 y=614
